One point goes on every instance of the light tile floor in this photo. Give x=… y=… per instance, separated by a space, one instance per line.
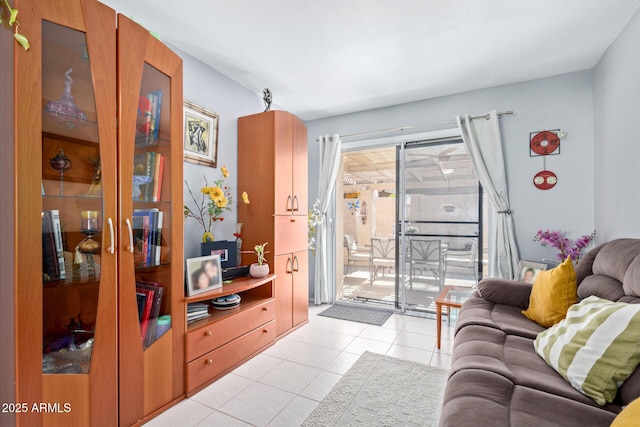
x=282 y=385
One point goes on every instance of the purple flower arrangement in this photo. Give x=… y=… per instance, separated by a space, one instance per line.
x=565 y=246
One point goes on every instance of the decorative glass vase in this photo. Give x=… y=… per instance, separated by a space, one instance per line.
x=238 y=235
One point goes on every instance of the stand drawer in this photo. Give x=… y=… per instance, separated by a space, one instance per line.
x=215 y=334
x=208 y=366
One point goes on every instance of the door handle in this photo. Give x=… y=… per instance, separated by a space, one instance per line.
x=289 y=203
x=295 y=260
x=289 y=266
x=112 y=244
x=130 y=248
x=295 y=204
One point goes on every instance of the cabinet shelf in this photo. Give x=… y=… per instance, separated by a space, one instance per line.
x=236 y=286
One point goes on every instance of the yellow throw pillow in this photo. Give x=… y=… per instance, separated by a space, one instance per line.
x=629 y=416
x=553 y=292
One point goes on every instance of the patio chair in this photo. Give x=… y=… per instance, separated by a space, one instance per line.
x=466 y=259
x=354 y=254
x=383 y=255
x=425 y=255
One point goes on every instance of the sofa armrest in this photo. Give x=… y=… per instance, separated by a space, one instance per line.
x=504 y=291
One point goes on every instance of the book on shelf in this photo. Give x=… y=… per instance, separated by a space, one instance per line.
x=158 y=237
x=141 y=231
x=197 y=311
x=147 y=231
x=148 y=119
x=194 y=306
x=195 y=319
x=57 y=234
x=150 y=166
x=146 y=311
x=157 y=177
x=152 y=322
x=50 y=266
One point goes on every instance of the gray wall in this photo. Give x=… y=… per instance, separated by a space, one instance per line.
x=617 y=147
x=562 y=102
x=215 y=92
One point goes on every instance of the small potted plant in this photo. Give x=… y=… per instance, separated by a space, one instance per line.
x=260 y=268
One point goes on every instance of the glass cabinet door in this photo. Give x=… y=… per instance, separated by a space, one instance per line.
x=70 y=129
x=150 y=277
x=72 y=203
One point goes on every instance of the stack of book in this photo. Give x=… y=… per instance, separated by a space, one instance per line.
x=197 y=311
x=148 y=121
x=149 y=165
x=147 y=236
x=149 y=297
x=53 y=267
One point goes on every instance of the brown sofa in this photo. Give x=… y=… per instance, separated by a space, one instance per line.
x=497 y=379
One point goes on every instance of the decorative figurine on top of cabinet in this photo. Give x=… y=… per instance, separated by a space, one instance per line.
x=266 y=96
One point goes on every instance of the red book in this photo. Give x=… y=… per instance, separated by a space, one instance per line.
x=157 y=179
x=146 y=314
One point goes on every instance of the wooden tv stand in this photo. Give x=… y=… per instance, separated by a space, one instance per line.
x=218 y=344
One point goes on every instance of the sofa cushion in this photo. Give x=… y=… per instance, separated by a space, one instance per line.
x=506 y=318
x=553 y=292
x=475 y=397
x=512 y=357
x=629 y=416
x=503 y=291
x=596 y=347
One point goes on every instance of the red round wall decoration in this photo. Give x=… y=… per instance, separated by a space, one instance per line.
x=545 y=142
x=545 y=180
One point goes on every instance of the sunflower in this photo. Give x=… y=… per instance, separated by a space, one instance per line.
x=222 y=202
x=216 y=194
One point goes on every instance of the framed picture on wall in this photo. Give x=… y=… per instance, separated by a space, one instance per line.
x=203 y=274
x=528 y=270
x=200 y=135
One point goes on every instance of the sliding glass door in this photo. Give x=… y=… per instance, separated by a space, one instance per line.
x=410 y=219
x=440 y=227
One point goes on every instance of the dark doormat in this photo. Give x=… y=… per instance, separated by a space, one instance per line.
x=357 y=314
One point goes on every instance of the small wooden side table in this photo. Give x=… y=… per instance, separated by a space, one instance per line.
x=450 y=297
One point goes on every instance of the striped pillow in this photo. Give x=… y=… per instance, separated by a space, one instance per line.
x=595 y=348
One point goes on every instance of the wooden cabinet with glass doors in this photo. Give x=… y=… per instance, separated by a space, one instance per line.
x=94 y=315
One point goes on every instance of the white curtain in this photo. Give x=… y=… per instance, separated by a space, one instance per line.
x=330 y=148
x=484 y=144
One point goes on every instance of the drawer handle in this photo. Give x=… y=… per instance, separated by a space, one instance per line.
x=292 y=220
x=208 y=362
x=265 y=309
x=207 y=333
x=265 y=331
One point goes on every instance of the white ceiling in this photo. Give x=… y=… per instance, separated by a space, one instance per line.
x=330 y=57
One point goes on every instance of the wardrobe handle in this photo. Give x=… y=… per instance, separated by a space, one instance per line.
x=289 y=203
x=289 y=266
x=295 y=204
x=297 y=267
x=207 y=333
x=112 y=247
x=130 y=248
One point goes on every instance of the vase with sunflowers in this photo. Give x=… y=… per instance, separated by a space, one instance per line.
x=216 y=199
